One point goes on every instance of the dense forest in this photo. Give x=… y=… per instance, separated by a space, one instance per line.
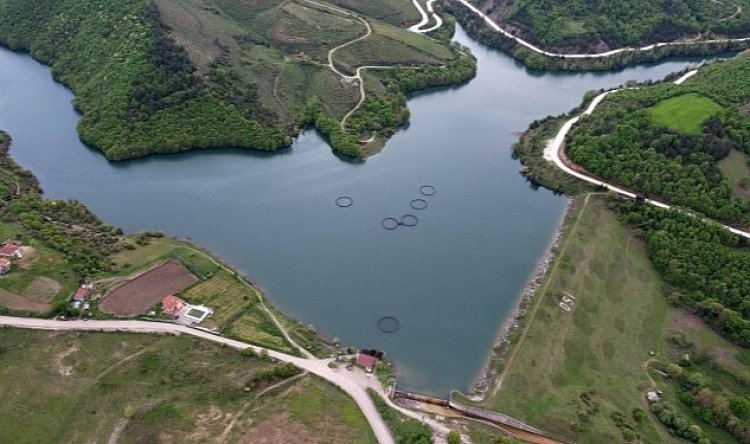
x=243 y=74
x=626 y=141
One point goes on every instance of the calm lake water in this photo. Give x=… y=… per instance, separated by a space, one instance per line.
x=451 y=281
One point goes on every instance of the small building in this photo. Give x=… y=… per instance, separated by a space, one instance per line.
x=5 y=265
x=82 y=294
x=653 y=396
x=367 y=362
x=172 y=305
x=11 y=250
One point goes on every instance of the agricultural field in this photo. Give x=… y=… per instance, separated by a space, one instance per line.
x=145 y=290
x=100 y=387
x=736 y=168
x=684 y=113
x=41 y=279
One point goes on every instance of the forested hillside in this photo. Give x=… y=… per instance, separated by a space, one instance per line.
x=666 y=141
x=581 y=25
x=168 y=76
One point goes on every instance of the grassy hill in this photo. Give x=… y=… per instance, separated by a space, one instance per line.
x=102 y=387
x=582 y=375
x=168 y=76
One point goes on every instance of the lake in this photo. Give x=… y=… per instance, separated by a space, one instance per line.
x=450 y=281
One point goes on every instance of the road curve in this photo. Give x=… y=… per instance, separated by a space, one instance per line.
x=420 y=27
x=318 y=367
x=492 y=24
x=553 y=153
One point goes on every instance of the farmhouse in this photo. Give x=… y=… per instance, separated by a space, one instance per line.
x=185 y=313
x=11 y=250
x=4 y=265
x=172 y=305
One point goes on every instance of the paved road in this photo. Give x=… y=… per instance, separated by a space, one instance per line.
x=491 y=23
x=420 y=27
x=553 y=153
x=318 y=367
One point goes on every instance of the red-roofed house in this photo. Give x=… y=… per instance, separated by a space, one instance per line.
x=10 y=250
x=172 y=305
x=4 y=265
x=367 y=362
x=82 y=294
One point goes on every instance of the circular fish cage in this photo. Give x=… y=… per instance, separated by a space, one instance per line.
x=390 y=223
x=408 y=220
x=389 y=324
x=427 y=190
x=344 y=202
x=418 y=204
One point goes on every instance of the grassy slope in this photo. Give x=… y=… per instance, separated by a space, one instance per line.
x=568 y=372
x=735 y=167
x=67 y=387
x=601 y=346
x=684 y=113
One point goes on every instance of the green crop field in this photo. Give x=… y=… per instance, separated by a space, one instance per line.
x=685 y=113
x=93 y=387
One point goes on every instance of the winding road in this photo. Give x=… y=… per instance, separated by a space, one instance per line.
x=554 y=153
x=492 y=24
x=420 y=27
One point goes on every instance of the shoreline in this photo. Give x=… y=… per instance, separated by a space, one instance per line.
x=487 y=377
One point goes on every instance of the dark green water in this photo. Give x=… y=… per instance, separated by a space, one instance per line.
x=451 y=280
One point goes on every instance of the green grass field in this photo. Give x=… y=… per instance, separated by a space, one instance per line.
x=71 y=387
x=572 y=373
x=736 y=168
x=579 y=367
x=685 y=113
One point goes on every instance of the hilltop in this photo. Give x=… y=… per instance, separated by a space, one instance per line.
x=168 y=76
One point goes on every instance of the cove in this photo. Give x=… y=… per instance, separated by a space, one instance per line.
x=450 y=281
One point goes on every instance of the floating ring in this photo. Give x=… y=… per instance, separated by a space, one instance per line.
x=389 y=324
x=418 y=204
x=408 y=220
x=344 y=202
x=427 y=190
x=390 y=223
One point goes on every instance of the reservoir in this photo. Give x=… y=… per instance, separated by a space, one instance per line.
x=450 y=281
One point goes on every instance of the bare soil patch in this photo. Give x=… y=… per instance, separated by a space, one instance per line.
x=147 y=289
x=42 y=290
x=16 y=302
x=28 y=258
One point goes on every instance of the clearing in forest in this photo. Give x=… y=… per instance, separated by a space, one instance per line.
x=685 y=113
